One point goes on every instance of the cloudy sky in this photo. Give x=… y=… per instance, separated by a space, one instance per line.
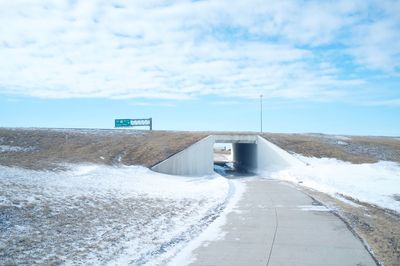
x=321 y=66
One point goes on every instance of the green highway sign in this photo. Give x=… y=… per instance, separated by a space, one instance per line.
x=141 y=122
x=122 y=122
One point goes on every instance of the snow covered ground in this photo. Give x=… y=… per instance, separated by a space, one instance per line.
x=94 y=214
x=8 y=148
x=376 y=183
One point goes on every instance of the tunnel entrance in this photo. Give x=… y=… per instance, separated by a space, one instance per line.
x=234 y=160
x=248 y=154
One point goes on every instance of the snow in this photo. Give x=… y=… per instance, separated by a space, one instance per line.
x=94 y=214
x=334 y=137
x=374 y=183
x=101 y=131
x=88 y=131
x=8 y=148
x=341 y=137
x=318 y=208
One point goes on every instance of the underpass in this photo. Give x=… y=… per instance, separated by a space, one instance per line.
x=274 y=223
x=251 y=153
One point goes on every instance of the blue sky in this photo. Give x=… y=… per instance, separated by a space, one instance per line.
x=322 y=66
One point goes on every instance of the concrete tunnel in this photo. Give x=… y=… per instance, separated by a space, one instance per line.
x=251 y=152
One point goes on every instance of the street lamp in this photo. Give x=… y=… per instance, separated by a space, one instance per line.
x=261 y=113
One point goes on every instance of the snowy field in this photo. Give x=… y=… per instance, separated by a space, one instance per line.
x=128 y=215
x=376 y=183
x=94 y=214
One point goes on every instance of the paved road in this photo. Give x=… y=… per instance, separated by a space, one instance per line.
x=276 y=224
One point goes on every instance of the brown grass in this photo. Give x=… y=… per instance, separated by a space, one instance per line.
x=360 y=149
x=129 y=147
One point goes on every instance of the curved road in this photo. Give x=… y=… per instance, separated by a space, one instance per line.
x=276 y=224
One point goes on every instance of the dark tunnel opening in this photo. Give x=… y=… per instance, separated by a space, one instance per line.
x=235 y=160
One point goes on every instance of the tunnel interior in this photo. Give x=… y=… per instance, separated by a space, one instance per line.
x=235 y=159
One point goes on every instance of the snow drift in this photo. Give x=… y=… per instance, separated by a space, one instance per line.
x=376 y=183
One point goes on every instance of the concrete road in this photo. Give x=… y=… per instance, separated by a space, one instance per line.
x=276 y=224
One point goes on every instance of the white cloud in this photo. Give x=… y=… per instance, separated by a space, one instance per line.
x=377 y=45
x=183 y=49
x=159 y=104
x=228 y=103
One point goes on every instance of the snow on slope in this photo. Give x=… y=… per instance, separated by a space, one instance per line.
x=376 y=183
x=8 y=148
x=95 y=214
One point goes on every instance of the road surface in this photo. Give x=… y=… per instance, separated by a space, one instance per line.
x=276 y=224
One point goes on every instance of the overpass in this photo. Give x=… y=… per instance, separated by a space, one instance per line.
x=250 y=152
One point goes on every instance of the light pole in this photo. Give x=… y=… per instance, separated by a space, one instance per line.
x=261 y=113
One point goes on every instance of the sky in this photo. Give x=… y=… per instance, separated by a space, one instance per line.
x=321 y=66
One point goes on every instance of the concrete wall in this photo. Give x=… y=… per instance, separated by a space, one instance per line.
x=235 y=138
x=196 y=160
x=249 y=151
x=245 y=156
x=272 y=158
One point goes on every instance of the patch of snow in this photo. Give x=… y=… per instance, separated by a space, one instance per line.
x=342 y=138
x=8 y=148
x=318 y=208
x=373 y=183
x=342 y=142
x=338 y=137
x=112 y=215
x=99 y=131
x=349 y=202
x=4 y=201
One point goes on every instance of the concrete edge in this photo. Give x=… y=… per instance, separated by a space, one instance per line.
x=349 y=227
x=178 y=152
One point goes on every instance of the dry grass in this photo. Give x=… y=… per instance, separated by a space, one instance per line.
x=355 y=149
x=129 y=147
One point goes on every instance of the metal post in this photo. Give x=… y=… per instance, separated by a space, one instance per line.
x=151 y=124
x=261 y=113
